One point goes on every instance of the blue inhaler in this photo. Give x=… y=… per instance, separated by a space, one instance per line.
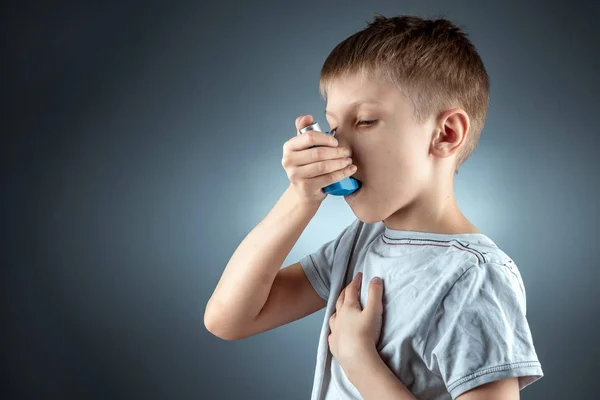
x=342 y=188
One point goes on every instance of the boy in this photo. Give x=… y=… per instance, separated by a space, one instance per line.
x=407 y=99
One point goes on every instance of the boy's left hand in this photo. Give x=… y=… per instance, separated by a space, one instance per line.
x=354 y=331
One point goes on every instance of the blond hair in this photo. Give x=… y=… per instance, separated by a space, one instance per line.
x=431 y=61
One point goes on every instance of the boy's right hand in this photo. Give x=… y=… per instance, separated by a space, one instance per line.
x=310 y=170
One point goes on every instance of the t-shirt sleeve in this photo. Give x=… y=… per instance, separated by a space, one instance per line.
x=480 y=333
x=318 y=265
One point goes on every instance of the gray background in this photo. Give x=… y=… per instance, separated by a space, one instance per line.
x=142 y=142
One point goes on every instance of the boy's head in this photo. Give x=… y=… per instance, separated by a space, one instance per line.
x=432 y=92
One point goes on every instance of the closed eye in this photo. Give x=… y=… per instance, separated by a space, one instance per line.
x=368 y=123
x=363 y=123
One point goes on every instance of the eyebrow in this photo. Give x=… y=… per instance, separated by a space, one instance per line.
x=356 y=103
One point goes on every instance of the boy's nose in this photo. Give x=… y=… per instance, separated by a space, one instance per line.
x=342 y=143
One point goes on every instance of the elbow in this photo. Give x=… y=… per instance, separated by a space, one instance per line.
x=219 y=328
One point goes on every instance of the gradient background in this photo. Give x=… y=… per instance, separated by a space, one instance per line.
x=143 y=141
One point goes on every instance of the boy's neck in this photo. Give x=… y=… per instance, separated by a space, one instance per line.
x=434 y=212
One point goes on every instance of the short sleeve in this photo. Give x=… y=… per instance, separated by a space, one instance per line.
x=480 y=333
x=318 y=265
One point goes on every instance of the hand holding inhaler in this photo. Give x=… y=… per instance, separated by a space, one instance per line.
x=315 y=165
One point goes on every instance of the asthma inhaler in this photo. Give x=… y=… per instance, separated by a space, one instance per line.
x=344 y=187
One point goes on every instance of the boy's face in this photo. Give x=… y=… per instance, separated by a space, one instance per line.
x=392 y=154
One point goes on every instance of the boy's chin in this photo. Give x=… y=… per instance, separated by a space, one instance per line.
x=361 y=210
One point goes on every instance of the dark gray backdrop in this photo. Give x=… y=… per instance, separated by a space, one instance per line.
x=142 y=142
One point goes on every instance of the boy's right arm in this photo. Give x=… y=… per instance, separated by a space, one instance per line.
x=254 y=294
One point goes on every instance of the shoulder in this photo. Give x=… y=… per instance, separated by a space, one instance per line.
x=499 y=270
x=492 y=285
x=493 y=261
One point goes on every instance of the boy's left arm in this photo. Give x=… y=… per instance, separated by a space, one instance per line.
x=352 y=341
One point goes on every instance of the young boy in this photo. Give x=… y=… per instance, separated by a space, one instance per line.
x=407 y=99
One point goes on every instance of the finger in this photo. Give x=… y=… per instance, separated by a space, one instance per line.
x=320 y=154
x=309 y=139
x=375 y=297
x=353 y=289
x=340 y=300
x=302 y=122
x=332 y=319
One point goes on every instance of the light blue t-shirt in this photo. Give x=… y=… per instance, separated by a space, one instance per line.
x=454 y=310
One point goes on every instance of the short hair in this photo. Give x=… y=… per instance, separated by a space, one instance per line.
x=430 y=60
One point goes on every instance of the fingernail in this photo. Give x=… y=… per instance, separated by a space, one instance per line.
x=377 y=280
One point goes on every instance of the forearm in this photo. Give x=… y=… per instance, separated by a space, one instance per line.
x=375 y=381
x=246 y=281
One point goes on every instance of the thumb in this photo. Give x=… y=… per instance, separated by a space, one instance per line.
x=302 y=122
x=375 y=297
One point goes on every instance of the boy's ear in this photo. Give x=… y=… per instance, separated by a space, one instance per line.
x=450 y=132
